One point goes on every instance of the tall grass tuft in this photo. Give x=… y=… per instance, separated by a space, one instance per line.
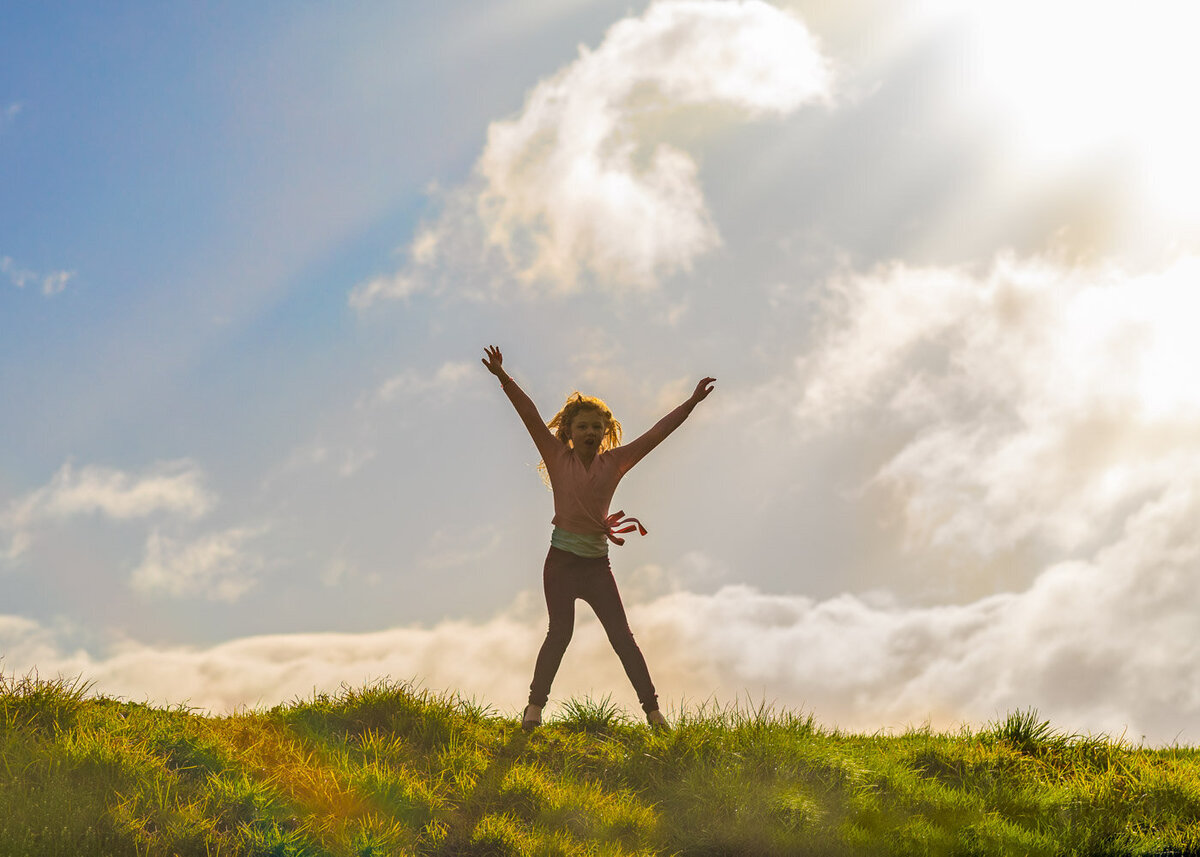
x=593 y=715
x=1024 y=732
x=40 y=705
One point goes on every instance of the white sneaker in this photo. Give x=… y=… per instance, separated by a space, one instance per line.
x=655 y=718
x=532 y=718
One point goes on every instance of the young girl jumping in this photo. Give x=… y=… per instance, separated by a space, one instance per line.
x=585 y=461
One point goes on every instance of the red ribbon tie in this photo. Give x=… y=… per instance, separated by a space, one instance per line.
x=616 y=523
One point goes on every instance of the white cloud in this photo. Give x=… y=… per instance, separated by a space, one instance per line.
x=175 y=487
x=402 y=285
x=50 y=284
x=399 y=285
x=346 y=458
x=1037 y=402
x=576 y=182
x=1099 y=645
x=443 y=382
x=582 y=181
x=216 y=566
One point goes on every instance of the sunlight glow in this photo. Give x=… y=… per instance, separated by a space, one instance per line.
x=1079 y=79
x=1138 y=340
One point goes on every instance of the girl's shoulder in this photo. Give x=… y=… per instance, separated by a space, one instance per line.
x=615 y=453
x=559 y=453
x=616 y=458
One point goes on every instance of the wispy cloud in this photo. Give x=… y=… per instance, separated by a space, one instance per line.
x=443 y=382
x=49 y=284
x=175 y=488
x=584 y=183
x=398 y=286
x=216 y=566
x=401 y=285
x=9 y=114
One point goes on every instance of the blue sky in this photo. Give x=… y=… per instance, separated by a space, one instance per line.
x=940 y=261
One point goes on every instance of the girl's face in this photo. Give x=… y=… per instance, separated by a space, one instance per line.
x=587 y=430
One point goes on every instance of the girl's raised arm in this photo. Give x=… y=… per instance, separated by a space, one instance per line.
x=636 y=450
x=543 y=439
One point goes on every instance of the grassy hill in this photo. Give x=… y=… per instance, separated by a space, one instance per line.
x=390 y=770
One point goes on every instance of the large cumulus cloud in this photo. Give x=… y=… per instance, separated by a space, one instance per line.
x=1037 y=402
x=583 y=182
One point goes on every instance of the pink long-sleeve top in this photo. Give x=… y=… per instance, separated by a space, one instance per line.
x=582 y=494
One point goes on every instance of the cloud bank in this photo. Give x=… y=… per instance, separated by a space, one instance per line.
x=582 y=182
x=858 y=662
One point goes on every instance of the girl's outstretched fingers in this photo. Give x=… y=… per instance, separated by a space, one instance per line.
x=703 y=389
x=494 y=359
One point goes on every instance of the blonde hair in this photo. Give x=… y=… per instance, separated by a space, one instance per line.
x=560 y=424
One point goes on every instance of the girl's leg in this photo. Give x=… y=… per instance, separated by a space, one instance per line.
x=601 y=593
x=558 y=579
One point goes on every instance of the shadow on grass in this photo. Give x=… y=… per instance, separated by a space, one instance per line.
x=484 y=796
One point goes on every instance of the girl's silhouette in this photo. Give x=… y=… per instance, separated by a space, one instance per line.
x=584 y=461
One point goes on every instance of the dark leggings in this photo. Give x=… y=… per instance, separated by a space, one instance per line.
x=565 y=578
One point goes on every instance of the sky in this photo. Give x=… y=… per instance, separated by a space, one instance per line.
x=943 y=260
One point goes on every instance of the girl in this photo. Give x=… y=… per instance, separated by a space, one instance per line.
x=584 y=461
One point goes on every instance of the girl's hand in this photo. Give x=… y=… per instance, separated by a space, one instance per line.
x=494 y=361
x=702 y=390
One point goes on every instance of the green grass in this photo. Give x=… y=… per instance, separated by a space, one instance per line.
x=388 y=769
